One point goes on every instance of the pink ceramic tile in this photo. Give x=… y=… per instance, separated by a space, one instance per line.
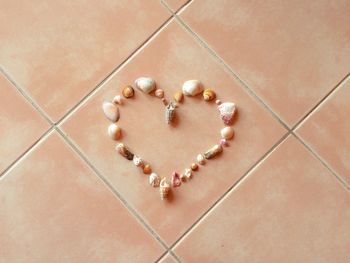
x=171 y=58
x=54 y=209
x=290 y=52
x=60 y=50
x=20 y=124
x=327 y=131
x=176 y=4
x=290 y=209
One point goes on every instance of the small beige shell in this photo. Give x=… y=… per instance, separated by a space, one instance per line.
x=227 y=133
x=118 y=100
x=178 y=96
x=154 y=179
x=124 y=151
x=114 y=131
x=164 y=189
x=128 y=92
x=213 y=151
x=145 y=84
x=170 y=112
x=188 y=173
x=111 y=111
x=201 y=159
x=194 y=166
x=209 y=95
x=159 y=93
x=138 y=161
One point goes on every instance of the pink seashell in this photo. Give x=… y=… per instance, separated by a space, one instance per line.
x=175 y=179
x=227 y=111
x=224 y=142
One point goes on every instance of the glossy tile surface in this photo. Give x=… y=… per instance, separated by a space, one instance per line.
x=60 y=50
x=290 y=209
x=290 y=53
x=178 y=58
x=175 y=4
x=327 y=131
x=54 y=209
x=20 y=125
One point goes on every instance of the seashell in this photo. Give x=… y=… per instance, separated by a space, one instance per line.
x=175 y=179
x=164 y=189
x=227 y=111
x=128 y=92
x=218 y=102
x=138 y=161
x=165 y=102
x=187 y=173
x=147 y=169
x=201 y=159
x=118 y=100
x=159 y=93
x=224 y=142
x=209 y=95
x=178 y=96
x=170 y=112
x=114 y=131
x=154 y=180
x=227 y=133
x=194 y=166
x=213 y=151
x=111 y=111
x=145 y=84
x=124 y=151
x=192 y=87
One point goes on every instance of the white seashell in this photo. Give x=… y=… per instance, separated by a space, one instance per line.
x=201 y=159
x=154 y=179
x=188 y=173
x=118 y=100
x=111 y=111
x=114 y=131
x=227 y=111
x=145 y=84
x=227 y=133
x=175 y=179
x=192 y=87
x=138 y=161
x=164 y=189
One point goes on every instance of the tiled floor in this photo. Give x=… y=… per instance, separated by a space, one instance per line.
x=279 y=193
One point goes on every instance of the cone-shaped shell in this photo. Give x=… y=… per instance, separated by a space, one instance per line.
x=164 y=189
x=170 y=112
x=154 y=180
x=212 y=152
x=124 y=151
x=175 y=179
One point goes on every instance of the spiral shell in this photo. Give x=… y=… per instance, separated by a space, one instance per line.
x=128 y=92
x=175 y=179
x=164 y=189
x=138 y=161
x=178 y=96
x=194 y=166
x=124 y=151
x=213 y=151
x=154 y=180
x=201 y=159
x=147 y=169
x=188 y=173
x=159 y=93
x=209 y=95
x=170 y=112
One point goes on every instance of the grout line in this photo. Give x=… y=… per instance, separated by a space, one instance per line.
x=340 y=84
x=250 y=91
x=114 y=71
x=324 y=163
x=75 y=148
x=235 y=185
x=25 y=153
x=26 y=96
